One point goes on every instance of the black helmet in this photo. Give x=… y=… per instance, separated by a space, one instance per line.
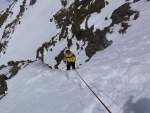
x=67 y=51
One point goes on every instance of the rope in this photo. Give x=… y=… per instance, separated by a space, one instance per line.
x=105 y=94
x=108 y=97
x=93 y=92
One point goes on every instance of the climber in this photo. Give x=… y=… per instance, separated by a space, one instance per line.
x=70 y=59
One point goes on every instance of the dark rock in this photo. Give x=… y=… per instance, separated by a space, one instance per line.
x=59 y=58
x=32 y=2
x=3 y=85
x=64 y=3
x=135 y=1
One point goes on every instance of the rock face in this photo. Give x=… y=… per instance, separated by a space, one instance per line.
x=32 y=2
x=122 y=15
x=74 y=16
x=10 y=28
x=69 y=20
x=3 y=85
x=14 y=68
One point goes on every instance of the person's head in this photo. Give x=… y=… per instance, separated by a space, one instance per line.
x=68 y=51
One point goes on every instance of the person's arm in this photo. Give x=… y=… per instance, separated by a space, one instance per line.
x=65 y=59
x=74 y=57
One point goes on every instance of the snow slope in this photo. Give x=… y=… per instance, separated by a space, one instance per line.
x=119 y=75
x=4 y=5
x=121 y=72
x=34 y=31
x=50 y=92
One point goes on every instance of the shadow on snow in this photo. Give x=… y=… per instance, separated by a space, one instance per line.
x=140 y=106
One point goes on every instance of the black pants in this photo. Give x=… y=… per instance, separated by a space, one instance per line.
x=69 y=64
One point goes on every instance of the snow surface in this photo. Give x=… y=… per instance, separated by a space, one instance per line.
x=50 y=92
x=34 y=31
x=119 y=75
x=4 y=5
x=5 y=70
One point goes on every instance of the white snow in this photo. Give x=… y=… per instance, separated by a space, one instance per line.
x=5 y=70
x=49 y=90
x=4 y=5
x=119 y=75
x=34 y=32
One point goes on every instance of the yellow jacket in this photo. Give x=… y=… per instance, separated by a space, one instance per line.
x=70 y=57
